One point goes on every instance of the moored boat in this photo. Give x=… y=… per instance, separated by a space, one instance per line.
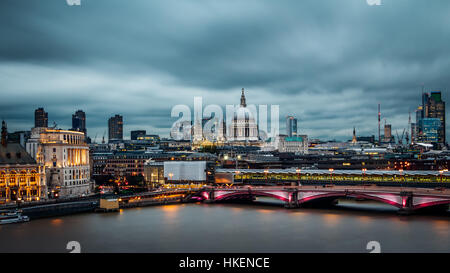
x=10 y=217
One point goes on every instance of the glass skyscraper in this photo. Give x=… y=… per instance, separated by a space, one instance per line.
x=430 y=130
x=291 y=126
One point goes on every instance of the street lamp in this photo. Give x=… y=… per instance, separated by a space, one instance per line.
x=331 y=174
x=364 y=170
x=266 y=172
x=237 y=160
x=401 y=178
x=298 y=175
x=242 y=178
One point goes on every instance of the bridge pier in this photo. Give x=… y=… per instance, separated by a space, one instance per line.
x=292 y=199
x=210 y=197
x=407 y=203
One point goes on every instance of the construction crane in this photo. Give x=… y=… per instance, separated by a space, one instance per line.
x=95 y=139
x=400 y=139
x=403 y=134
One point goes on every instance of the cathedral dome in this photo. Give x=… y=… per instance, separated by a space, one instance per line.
x=243 y=113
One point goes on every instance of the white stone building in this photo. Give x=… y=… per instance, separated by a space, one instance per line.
x=243 y=125
x=285 y=144
x=298 y=144
x=65 y=156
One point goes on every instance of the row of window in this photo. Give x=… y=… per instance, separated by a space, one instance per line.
x=75 y=183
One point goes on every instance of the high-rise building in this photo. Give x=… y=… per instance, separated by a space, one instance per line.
x=40 y=118
x=387 y=133
x=434 y=107
x=291 y=126
x=115 y=128
x=138 y=133
x=414 y=132
x=430 y=130
x=79 y=122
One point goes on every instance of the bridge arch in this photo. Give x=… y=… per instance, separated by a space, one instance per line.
x=243 y=194
x=392 y=200
x=422 y=203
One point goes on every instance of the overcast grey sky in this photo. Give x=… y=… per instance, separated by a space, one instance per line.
x=327 y=62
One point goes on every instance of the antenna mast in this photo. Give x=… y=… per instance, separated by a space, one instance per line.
x=379 y=129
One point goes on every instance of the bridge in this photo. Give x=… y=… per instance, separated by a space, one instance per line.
x=406 y=199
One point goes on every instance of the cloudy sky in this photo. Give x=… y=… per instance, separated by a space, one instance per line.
x=327 y=62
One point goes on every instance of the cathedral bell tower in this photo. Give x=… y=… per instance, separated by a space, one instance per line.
x=243 y=103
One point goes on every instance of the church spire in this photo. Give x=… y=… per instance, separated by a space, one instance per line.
x=4 y=134
x=354 y=140
x=243 y=103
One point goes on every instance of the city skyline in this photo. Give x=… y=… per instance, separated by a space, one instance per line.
x=329 y=75
x=123 y=134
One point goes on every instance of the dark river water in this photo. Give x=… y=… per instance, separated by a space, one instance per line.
x=261 y=227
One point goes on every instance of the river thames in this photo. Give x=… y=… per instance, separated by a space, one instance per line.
x=261 y=227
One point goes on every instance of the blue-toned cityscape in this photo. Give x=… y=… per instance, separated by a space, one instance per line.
x=224 y=127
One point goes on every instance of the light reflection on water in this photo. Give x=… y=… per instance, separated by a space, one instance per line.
x=264 y=226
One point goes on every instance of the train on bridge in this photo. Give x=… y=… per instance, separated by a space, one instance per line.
x=357 y=177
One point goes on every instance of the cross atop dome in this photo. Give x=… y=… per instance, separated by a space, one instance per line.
x=243 y=104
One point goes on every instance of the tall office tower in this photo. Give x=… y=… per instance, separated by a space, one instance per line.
x=40 y=118
x=115 y=128
x=418 y=126
x=434 y=107
x=79 y=122
x=414 y=132
x=430 y=130
x=138 y=133
x=387 y=133
x=291 y=126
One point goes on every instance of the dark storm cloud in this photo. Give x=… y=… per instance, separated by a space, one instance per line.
x=327 y=62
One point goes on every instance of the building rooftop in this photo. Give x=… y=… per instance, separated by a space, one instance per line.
x=14 y=154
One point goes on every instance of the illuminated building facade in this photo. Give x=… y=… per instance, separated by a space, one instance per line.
x=21 y=176
x=65 y=156
x=126 y=163
x=154 y=174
